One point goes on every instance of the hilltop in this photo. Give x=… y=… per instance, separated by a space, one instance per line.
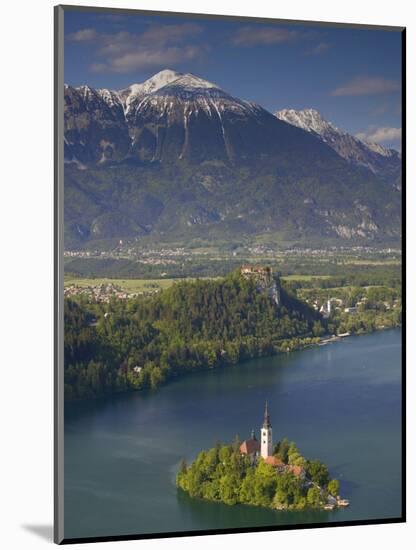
x=140 y=343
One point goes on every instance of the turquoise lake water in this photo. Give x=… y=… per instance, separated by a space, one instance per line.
x=340 y=403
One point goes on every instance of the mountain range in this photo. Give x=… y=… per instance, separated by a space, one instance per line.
x=176 y=158
x=384 y=162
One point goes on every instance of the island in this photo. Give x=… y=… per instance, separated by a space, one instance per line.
x=258 y=473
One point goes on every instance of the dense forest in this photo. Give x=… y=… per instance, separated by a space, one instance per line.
x=225 y=475
x=141 y=342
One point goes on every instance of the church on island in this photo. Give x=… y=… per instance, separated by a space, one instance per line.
x=264 y=448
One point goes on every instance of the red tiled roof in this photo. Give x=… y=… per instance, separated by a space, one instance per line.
x=296 y=470
x=273 y=461
x=249 y=446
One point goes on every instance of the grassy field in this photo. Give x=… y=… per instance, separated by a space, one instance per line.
x=129 y=285
x=146 y=285
x=354 y=261
x=305 y=277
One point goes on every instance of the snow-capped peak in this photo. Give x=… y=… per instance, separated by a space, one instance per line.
x=310 y=120
x=351 y=148
x=166 y=81
x=159 y=80
x=86 y=91
x=190 y=81
x=189 y=87
x=136 y=91
x=110 y=97
x=379 y=149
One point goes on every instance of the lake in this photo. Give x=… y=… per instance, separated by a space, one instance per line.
x=341 y=403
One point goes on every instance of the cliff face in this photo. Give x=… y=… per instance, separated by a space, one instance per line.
x=385 y=163
x=265 y=280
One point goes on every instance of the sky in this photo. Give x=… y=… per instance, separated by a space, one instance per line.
x=352 y=76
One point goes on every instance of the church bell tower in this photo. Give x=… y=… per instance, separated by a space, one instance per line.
x=266 y=448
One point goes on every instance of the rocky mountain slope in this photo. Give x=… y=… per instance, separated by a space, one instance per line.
x=171 y=117
x=178 y=158
x=384 y=162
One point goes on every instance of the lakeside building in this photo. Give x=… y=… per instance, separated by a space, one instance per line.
x=326 y=309
x=264 y=448
x=254 y=448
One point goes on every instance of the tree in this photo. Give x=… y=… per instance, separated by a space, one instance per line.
x=247 y=487
x=181 y=477
x=317 y=329
x=156 y=377
x=191 y=325
x=222 y=473
x=317 y=472
x=333 y=487
x=194 y=482
x=265 y=484
x=224 y=454
x=183 y=468
x=294 y=457
x=281 y=450
x=313 y=496
x=236 y=443
x=229 y=487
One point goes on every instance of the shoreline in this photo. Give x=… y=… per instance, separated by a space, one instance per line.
x=339 y=505
x=324 y=340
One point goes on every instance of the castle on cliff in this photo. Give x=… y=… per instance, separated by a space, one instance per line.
x=264 y=278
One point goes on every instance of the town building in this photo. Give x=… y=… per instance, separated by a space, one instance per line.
x=251 y=447
x=326 y=309
x=276 y=463
x=266 y=435
x=263 y=449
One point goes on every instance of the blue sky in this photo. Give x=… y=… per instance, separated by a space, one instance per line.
x=352 y=76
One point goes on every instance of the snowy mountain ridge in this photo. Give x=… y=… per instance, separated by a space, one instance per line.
x=131 y=121
x=380 y=160
x=309 y=120
x=161 y=91
x=144 y=117
x=177 y=157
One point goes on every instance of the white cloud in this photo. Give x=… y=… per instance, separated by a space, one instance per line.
x=367 y=85
x=381 y=135
x=251 y=36
x=157 y=46
x=145 y=58
x=83 y=35
x=320 y=48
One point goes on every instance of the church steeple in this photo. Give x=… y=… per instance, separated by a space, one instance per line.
x=266 y=448
x=266 y=421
